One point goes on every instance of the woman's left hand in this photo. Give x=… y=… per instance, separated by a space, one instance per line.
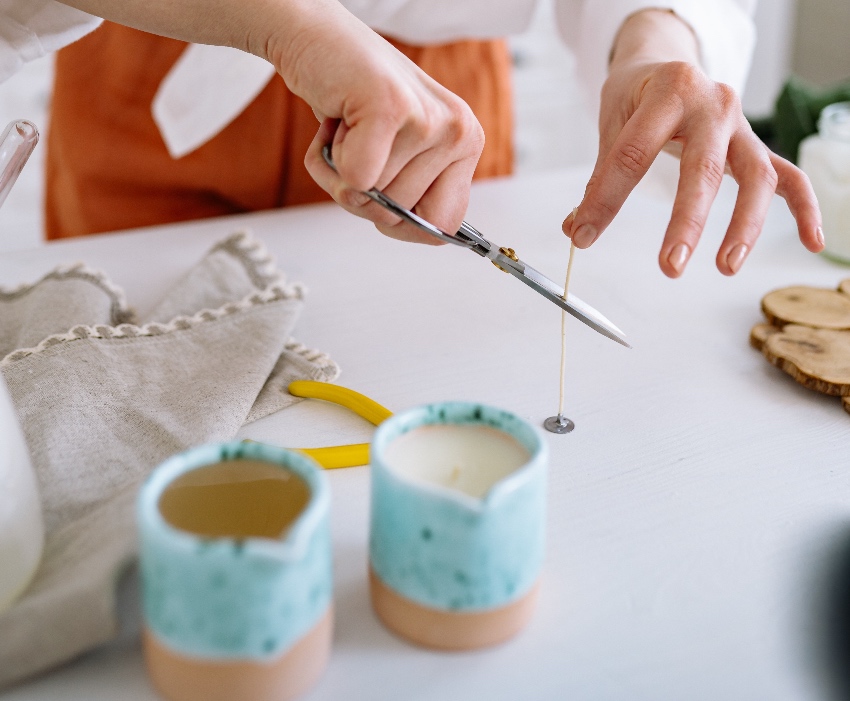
x=650 y=103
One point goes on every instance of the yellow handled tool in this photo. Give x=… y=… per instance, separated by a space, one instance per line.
x=341 y=455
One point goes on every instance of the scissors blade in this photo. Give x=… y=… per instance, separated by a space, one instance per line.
x=582 y=311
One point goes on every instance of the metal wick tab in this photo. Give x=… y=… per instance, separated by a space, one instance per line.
x=558 y=424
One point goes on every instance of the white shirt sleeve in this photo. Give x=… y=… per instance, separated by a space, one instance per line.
x=29 y=29
x=441 y=21
x=724 y=29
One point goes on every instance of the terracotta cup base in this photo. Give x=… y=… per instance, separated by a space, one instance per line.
x=181 y=678
x=448 y=630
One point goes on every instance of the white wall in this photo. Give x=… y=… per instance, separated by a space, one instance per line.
x=772 y=61
x=553 y=127
x=822 y=41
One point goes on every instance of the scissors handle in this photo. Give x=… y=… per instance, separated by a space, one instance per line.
x=466 y=237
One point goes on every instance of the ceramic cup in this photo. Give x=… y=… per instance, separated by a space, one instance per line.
x=457 y=524
x=230 y=618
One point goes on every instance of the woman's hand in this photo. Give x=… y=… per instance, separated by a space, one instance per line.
x=391 y=125
x=656 y=97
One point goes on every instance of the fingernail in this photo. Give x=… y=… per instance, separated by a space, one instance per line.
x=821 y=239
x=678 y=257
x=585 y=235
x=735 y=257
x=354 y=198
x=568 y=222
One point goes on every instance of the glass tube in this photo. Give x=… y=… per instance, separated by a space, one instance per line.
x=16 y=144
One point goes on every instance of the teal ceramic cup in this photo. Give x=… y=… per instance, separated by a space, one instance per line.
x=234 y=617
x=458 y=519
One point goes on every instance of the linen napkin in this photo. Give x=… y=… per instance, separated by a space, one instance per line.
x=103 y=403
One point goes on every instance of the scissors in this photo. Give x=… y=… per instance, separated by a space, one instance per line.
x=503 y=258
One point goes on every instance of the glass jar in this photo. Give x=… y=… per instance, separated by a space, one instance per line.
x=825 y=158
x=21 y=525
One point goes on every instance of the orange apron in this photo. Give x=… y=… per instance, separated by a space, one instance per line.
x=108 y=168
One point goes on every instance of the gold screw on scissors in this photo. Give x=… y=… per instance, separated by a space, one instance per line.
x=510 y=253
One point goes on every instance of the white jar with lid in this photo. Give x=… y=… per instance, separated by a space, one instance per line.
x=21 y=525
x=825 y=158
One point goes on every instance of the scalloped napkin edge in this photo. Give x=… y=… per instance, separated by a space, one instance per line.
x=87 y=488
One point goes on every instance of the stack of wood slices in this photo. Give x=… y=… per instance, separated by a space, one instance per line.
x=808 y=336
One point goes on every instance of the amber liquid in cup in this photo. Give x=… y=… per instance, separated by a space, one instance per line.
x=235 y=499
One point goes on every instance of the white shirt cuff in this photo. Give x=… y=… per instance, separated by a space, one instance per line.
x=725 y=32
x=439 y=21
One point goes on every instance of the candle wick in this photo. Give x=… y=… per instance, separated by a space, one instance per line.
x=564 y=334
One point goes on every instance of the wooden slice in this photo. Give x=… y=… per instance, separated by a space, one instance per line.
x=846 y=403
x=807 y=306
x=760 y=333
x=816 y=358
x=844 y=287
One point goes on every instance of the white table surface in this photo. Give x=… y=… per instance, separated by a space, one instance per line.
x=698 y=514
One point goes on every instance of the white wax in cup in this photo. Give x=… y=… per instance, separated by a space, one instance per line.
x=466 y=457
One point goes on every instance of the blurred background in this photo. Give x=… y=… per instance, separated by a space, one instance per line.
x=804 y=37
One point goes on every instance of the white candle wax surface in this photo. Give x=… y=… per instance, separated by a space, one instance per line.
x=467 y=457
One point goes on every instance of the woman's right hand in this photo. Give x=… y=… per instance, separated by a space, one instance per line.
x=391 y=125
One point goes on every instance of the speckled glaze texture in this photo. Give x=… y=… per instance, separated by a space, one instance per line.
x=220 y=598
x=448 y=550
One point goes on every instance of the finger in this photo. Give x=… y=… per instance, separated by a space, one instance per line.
x=323 y=174
x=410 y=141
x=314 y=161
x=352 y=199
x=446 y=131
x=413 y=181
x=371 y=151
x=610 y=126
x=362 y=150
x=700 y=175
x=444 y=203
x=796 y=189
x=348 y=198
x=757 y=180
x=634 y=150
x=408 y=189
